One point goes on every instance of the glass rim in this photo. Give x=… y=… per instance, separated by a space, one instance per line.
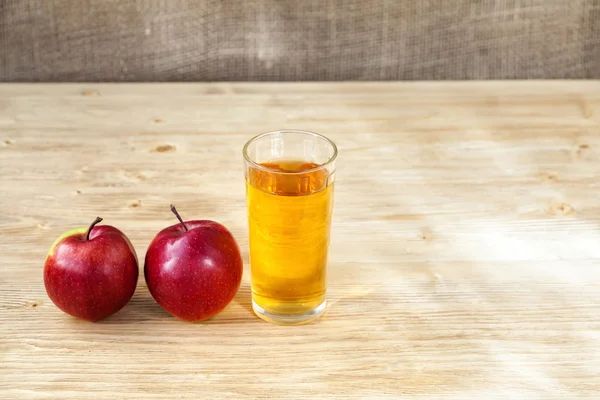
x=263 y=168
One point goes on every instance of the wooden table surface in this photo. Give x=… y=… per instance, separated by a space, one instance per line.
x=465 y=256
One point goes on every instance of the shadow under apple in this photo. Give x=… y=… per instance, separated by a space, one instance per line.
x=141 y=308
x=239 y=310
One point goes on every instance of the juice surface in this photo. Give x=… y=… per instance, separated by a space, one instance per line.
x=289 y=220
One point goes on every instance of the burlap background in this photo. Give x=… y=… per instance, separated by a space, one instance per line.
x=249 y=40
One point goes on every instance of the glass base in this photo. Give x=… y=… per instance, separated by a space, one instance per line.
x=289 y=319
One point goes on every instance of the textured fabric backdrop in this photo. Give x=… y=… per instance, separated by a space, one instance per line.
x=250 y=40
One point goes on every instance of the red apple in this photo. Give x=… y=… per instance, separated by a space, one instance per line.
x=91 y=273
x=193 y=269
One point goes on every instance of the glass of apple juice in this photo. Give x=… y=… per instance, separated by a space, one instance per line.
x=289 y=199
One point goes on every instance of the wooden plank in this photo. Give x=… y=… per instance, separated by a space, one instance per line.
x=464 y=260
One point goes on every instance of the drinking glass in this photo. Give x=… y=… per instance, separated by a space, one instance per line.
x=289 y=199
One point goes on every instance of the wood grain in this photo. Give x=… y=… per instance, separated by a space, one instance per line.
x=465 y=256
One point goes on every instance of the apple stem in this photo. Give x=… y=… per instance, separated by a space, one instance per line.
x=174 y=210
x=96 y=221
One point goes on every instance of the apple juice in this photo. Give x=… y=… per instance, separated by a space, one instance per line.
x=289 y=214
